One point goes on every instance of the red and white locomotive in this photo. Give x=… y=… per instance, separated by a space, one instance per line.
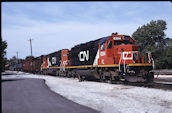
x=114 y=57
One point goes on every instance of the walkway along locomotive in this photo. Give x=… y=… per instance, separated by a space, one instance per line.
x=114 y=57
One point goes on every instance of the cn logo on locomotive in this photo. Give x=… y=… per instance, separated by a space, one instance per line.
x=83 y=55
x=53 y=60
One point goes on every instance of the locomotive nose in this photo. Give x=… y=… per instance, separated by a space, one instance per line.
x=128 y=53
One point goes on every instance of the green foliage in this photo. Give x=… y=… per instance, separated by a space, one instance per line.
x=28 y=57
x=168 y=54
x=12 y=61
x=3 y=46
x=151 y=37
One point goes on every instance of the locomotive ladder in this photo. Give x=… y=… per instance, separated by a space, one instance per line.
x=124 y=67
x=62 y=68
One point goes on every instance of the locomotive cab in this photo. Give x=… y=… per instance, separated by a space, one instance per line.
x=117 y=49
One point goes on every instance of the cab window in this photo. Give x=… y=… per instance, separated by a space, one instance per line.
x=102 y=46
x=117 y=43
x=109 y=44
x=125 y=42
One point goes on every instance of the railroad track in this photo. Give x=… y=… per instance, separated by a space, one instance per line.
x=164 y=86
x=156 y=85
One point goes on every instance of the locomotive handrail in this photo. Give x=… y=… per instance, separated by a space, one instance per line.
x=153 y=63
x=124 y=63
x=151 y=59
x=120 y=61
x=62 y=68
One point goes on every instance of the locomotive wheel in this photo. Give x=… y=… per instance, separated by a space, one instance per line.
x=111 y=79
x=69 y=75
x=57 y=73
x=102 y=78
x=61 y=74
x=81 y=78
x=117 y=78
x=73 y=75
x=150 y=77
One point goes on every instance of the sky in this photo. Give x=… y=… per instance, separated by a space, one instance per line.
x=62 y=25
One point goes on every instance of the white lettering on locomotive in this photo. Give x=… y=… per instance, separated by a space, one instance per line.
x=66 y=62
x=127 y=55
x=83 y=55
x=116 y=38
x=53 y=60
x=102 y=53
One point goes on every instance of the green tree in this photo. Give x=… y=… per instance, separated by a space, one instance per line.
x=3 y=53
x=28 y=57
x=151 y=37
x=168 y=57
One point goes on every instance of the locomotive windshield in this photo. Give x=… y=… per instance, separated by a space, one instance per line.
x=124 y=42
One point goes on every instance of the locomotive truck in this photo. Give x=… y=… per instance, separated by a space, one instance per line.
x=115 y=57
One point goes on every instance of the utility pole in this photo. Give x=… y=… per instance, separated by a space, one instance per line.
x=30 y=45
x=17 y=54
x=31 y=52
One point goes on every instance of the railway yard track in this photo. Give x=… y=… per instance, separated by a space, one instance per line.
x=156 y=85
x=164 y=86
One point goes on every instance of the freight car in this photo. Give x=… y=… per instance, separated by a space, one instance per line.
x=27 y=65
x=115 y=57
x=37 y=62
x=33 y=65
